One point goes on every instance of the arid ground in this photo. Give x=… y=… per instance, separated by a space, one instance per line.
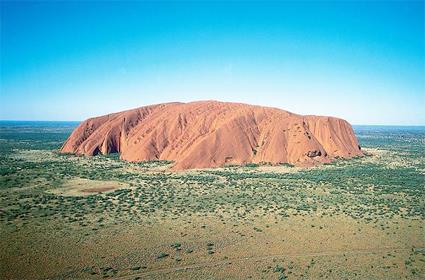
x=63 y=216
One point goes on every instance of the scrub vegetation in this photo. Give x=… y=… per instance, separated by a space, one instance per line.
x=64 y=216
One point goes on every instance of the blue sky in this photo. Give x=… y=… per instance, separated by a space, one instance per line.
x=362 y=61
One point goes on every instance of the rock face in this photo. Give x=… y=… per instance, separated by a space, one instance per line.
x=210 y=134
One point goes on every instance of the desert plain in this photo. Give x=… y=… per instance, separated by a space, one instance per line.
x=75 y=217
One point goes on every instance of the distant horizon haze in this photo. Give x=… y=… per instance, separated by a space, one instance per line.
x=125 y=109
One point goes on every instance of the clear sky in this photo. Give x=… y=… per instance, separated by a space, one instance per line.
x=362 y=61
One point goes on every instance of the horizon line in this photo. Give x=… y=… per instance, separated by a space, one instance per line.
x=3 y=120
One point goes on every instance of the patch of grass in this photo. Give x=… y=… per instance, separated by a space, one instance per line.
x=162 y=255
